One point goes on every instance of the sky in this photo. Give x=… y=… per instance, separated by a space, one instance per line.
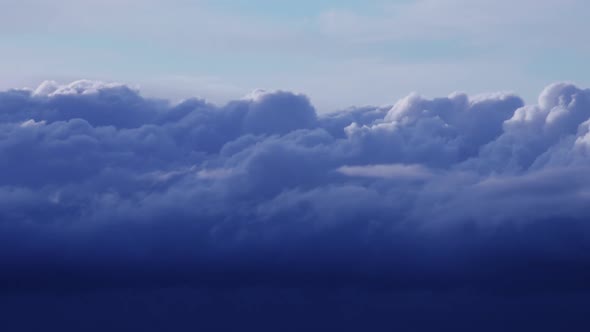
x=330 y=50
x=311 y=166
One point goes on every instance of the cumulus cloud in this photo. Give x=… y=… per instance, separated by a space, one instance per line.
x=100 y=186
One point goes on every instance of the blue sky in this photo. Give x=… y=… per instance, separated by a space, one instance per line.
x=340 y=53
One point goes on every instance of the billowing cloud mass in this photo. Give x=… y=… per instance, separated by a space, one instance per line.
x=101 y=187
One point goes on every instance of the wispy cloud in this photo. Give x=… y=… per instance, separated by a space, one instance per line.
x=392 y=171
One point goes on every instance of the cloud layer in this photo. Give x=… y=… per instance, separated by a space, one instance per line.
x=101 y=187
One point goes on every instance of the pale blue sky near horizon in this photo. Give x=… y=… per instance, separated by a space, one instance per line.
x=340 y=53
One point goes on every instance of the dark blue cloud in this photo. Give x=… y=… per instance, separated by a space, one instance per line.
x=101 y=188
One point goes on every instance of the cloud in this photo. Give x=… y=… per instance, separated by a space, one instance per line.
x=101 y=187
x=394 y=171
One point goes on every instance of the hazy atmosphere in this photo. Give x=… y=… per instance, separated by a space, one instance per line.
x=340 y=53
